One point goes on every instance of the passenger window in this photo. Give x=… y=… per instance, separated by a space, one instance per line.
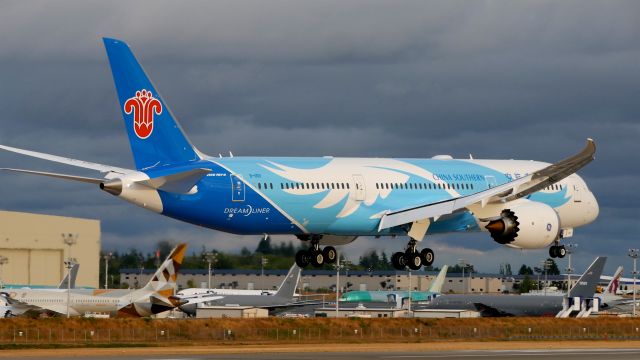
x=258 y=185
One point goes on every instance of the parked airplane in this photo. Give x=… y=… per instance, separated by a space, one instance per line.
x=283 y=297
x=393 y=296
x=7 y=310
x=154 y=298
x=517 y=305
x=328 y=200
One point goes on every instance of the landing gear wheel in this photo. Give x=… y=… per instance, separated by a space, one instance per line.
x=427 y=256
x=302 y=258
x=330 y=254
x=398 y=261
x=316 y=258
x=413 y=259
x=561 y=251
x=553 y=251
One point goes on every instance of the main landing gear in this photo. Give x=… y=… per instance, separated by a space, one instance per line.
x=316 y=255
x=557 y=251
x=412 y=258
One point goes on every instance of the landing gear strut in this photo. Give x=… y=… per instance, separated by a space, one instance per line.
x=557 y=251
x=412 y=258
x=315 y=255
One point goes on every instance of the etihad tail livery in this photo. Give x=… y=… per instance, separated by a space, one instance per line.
x=327 y=200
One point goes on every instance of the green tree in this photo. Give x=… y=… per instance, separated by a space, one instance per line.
x=527 y=285
x=525 y=270
x=264 y=246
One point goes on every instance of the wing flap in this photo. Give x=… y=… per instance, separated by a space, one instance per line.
x=506 y=192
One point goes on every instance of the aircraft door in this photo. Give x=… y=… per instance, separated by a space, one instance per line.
x=358 y=181
x=577 y=193
x=491 y=181
x=237 y=188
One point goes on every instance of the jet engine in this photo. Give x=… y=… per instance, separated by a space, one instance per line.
x=531 y=225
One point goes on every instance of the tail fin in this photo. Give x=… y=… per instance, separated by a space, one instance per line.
x=74 y=274
x=155 y=136
x=612 y=287
x=436 y=285
x=288 y=287
x=586 y=285
x=164 y=280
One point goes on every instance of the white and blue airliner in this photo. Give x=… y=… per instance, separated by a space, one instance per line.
x=332 y=200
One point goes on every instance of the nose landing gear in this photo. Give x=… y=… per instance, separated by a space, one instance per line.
x=557 y=251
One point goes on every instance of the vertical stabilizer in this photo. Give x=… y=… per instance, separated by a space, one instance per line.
x=164 y=280
x=614 y=284
x=586 y=285
x=74 y=274
x=436 y=285
x=288 y=287
x=155 y=136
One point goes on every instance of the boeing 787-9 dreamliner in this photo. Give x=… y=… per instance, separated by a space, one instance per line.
x=332 y=200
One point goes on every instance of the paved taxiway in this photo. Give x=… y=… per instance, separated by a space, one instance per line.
x=565 y=354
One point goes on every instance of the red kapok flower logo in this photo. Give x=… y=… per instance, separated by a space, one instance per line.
x=143 y=106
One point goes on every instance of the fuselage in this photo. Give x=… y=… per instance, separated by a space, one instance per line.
x=345 y=196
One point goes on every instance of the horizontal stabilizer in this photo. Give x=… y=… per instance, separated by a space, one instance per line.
x=59 y=176
x=180 y=183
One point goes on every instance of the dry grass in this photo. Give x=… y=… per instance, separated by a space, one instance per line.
x=163 y=332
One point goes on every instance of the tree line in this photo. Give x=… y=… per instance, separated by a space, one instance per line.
x=270 y=256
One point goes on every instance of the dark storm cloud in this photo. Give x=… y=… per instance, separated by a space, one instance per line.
x=496 y=79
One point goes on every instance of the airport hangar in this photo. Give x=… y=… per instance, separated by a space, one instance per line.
x=35 y=249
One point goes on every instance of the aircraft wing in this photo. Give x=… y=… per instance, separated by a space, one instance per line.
x=489 y=311
x=506 y=192
x=195 y=299
x=109 y=171
x=22 y=307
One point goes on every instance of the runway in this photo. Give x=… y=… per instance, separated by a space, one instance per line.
x=581 y=354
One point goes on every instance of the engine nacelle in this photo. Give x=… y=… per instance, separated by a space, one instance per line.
x=529 y=225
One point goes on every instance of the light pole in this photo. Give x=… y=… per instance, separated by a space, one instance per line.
x=106 y=258
x=70 y=240
x=463 y=264
x=263 y=261
x=633 y=253
x=3 y=260
x=210 y=258
x=571 y=247
x=338 y=266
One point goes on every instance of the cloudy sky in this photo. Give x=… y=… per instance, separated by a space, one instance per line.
x=496 y=79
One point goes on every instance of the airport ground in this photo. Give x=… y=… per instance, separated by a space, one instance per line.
x=582 y=350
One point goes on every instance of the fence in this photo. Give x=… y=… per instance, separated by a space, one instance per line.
x=182 y=334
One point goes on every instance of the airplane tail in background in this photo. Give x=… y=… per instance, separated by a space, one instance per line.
x=164 y=280
x=288 y=287
x=155 y=136
x=614 y=284
x=158 y=294
x=436 y=285
x=74 y=274
x=586 y=285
